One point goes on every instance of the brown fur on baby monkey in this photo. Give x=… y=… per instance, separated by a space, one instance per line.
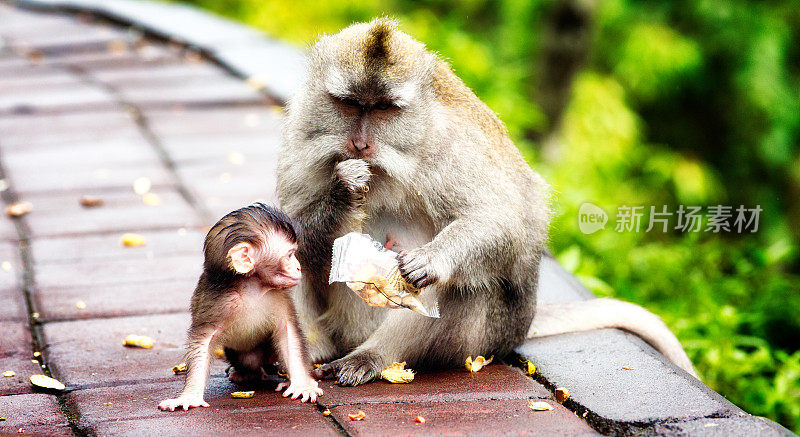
x=242 y=305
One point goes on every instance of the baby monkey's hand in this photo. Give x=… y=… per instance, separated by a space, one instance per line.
x=183 y=401
x=307 y=388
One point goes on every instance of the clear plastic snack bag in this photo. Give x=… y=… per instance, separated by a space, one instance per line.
x=373 y=273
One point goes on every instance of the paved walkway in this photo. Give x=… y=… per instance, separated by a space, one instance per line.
x=87 y=109
x=90 y=108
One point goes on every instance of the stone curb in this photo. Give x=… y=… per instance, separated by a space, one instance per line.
x=655 y=397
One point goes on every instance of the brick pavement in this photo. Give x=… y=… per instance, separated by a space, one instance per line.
x=86 y=108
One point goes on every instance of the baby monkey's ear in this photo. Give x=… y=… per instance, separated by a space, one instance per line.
x=242 y=258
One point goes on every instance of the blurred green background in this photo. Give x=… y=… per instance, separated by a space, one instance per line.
x=622 y=102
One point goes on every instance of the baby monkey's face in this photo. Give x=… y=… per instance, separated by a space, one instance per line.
x=283 y=272
x=274 y=262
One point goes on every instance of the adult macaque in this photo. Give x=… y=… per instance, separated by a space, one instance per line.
x=242 y=305
x=383 y=138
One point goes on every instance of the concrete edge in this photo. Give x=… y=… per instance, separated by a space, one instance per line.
x=278 y=69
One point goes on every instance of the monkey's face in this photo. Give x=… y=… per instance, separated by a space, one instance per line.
x=364 y=116
x=274 y=263
x=368 y=96
x=279 y=267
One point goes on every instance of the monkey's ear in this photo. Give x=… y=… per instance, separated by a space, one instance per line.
x=241 y=257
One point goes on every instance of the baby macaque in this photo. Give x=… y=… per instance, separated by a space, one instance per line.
x=242 y=305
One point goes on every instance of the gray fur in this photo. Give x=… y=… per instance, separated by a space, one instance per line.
x=471 y=214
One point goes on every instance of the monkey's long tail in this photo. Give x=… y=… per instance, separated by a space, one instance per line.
x=586 y=315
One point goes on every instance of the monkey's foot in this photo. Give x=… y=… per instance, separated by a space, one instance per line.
x=417 y=267
x=308 y=389
x=185 y=402
x=357 y=368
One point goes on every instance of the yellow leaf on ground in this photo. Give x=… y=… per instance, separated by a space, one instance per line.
x=530 y=369
x=478 y=363
x=539 y=406
x=19 y=209
x=132 y=240
x=44 y=381
x=141 y=341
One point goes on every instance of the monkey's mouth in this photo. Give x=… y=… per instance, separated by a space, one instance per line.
x=291 y=279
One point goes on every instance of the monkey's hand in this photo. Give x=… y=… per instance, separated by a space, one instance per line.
x=307 y=388
x=419 y=268
x=359 y=367
x=354 y=174
x=184 y=401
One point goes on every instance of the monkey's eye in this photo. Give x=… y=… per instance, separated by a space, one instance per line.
x=349 y=101
x=383 y=105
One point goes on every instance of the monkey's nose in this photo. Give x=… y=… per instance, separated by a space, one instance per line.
x=359 y=145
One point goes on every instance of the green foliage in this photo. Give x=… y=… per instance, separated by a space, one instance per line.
x=693 y=103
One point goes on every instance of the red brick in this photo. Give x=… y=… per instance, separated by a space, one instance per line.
x=82 y=156
x=192 y=92
x=44 y=79
x=85 y=167
x=69 y=37
x=218 y=148
x=10 y=279
x=496 y=381
x=36 y=414
x=210 y=121
x=117 y=272
x=16 y=352
x=20 y=23
x=287 y=421
x=484 y=417
x=150 y=75
x=115 y=300
x=7 y=229
x=16 y=339
x=23 y=366
x=56 y=98
x=55 y=214
x=66 y=129
x=13 y=307
x=140 y=401
x=149 y=55
x=90 y=352
x=223 y=186
x=106 y=247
